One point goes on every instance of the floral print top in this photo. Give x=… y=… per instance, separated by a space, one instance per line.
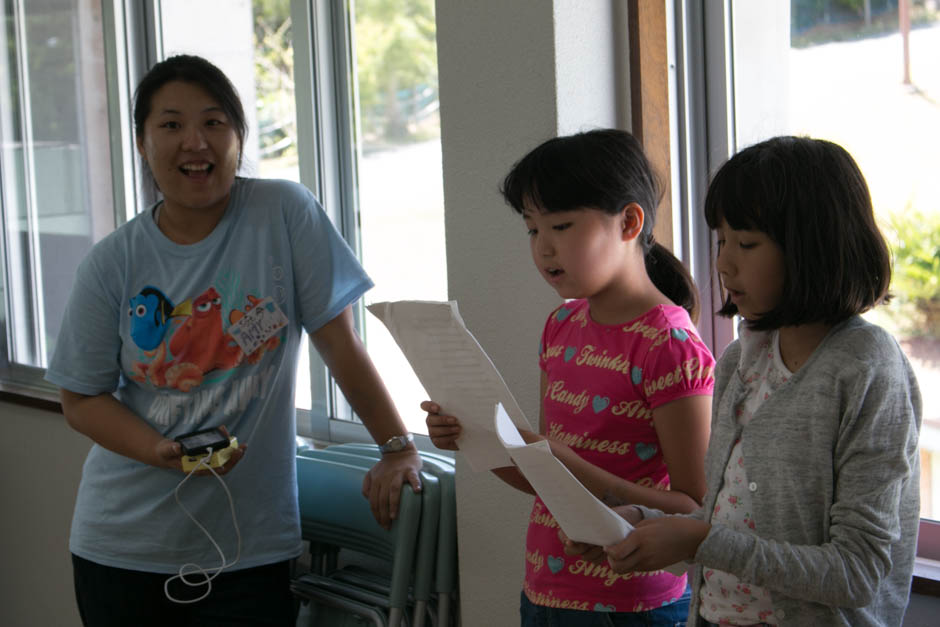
x=725 y=599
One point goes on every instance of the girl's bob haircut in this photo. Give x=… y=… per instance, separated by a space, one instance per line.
x=808 y=196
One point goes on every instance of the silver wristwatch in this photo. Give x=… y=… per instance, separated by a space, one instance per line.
x=396 y=443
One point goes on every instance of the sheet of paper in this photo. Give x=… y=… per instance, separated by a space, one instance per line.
x=455 y=372
x=581 y=515
x=458 y=374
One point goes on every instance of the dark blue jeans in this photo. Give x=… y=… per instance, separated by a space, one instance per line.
x=117 y=597
x=667 y=616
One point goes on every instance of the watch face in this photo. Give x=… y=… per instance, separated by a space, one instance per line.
x=395 y=444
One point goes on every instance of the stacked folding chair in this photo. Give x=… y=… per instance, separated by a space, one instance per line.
x=375 y=590
x=334 y=516
x=443 y=611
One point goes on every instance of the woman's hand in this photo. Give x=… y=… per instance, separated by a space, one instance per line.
x=383 y=483
x=443 y=430
x=169 y=454
x=236 y=456
x=233 y=459
x=656 y=543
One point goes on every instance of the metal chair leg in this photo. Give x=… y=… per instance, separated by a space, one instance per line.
x=443 y=610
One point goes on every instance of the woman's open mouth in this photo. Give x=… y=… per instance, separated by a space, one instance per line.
x=196 y=170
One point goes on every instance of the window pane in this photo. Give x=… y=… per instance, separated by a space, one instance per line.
x=401 y=198
x=396 y=140
x=56 y=164
x=251 y=43
x=839 y=74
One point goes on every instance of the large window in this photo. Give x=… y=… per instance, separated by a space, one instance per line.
x=861 y=74
x=400 y=189
x=55 y=171
x=339 y=95
x=371 y=149
x=835 y=75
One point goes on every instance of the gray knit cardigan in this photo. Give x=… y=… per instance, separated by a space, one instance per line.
x=833 y=470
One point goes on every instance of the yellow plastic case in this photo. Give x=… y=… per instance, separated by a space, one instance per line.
x=219 y=458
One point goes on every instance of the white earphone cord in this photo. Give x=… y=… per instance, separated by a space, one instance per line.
x=208 y=575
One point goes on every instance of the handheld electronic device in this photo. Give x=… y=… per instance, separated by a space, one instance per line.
x=197 y=444
x=208 y=449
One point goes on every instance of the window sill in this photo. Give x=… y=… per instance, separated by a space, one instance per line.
x=926 y=577
x=26 y=383
x=32 y=400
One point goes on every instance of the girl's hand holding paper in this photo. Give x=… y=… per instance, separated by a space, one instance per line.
x=583 y=517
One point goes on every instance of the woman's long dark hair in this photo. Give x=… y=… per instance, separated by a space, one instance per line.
x=605 y=170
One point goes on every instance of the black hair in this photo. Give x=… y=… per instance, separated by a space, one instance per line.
x=606 y=170
x=197 y=71
x=808 y=196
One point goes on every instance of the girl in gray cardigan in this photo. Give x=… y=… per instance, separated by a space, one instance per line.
x=812 y=503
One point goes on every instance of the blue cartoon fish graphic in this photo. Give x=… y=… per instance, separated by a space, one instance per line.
x=150 y=313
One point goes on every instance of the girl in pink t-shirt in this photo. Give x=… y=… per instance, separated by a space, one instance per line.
x=626 y=382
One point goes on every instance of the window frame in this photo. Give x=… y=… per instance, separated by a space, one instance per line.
x=704 y=139
x=131 y=47
x=327 y=110
x=19 y=336
x=17 y=378
x=324 y=104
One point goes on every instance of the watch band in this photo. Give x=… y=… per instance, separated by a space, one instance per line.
x=396 y=443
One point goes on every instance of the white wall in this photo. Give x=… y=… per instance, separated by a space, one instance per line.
x=40 y=466
x=512 y=74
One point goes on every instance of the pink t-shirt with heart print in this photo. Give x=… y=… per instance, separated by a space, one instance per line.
x=604 y=381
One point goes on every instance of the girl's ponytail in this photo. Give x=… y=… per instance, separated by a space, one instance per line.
x=672 y=278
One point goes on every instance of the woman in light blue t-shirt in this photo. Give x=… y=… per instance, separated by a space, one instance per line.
x=190 y=317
